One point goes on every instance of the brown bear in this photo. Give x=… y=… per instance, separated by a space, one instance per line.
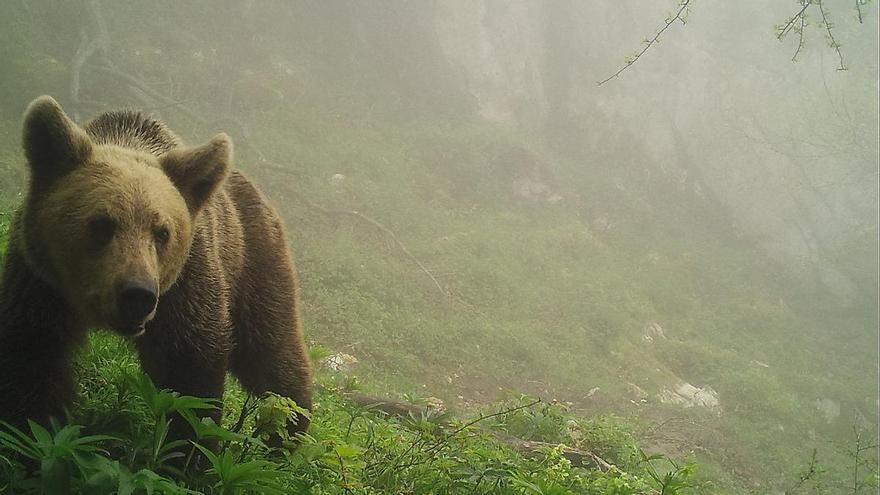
x=125 y=228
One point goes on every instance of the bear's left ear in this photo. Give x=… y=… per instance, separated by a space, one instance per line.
x=198 y=171
x=53 y=144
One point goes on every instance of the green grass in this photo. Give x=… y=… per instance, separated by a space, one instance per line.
x=540 y=302
x=115 y=441
x=349 y=449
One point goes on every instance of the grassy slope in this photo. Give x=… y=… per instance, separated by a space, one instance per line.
x=541 y=302
x=349 y=449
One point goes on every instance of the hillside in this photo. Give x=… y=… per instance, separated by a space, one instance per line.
x=464 y=256
x=115 y=442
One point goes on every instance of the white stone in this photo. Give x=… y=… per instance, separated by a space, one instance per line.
x=829 y=409
x=688 y=396
x=340 y=362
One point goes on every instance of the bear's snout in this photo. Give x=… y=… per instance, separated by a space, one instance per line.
x=136 y=301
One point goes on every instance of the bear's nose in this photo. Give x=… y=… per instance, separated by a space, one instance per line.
x=136 y=300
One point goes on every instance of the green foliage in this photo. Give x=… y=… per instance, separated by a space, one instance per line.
x=349 y=449
x=58 y=454
x=273 y=414
x=545 y=423
x=254 y=476
x=675 y=480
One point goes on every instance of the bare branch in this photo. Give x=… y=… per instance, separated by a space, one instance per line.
x=341 y=211
x=87 y=47
x=577 y=457
x=400 y=244
x=526 y=448
x=482 y=418
x=102 y=36
x=790 y=24
x=85 y=50
x=798 y=22
x=146 y=89
x=800 y=30
x=679 y=16
x=833 y=41
x=345 y=484
x=439 y=445
x=810 y=473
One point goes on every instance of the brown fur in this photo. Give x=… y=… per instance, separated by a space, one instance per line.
x=225 y=283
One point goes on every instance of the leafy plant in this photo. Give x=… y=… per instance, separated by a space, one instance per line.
x=673 y=481
x=254 y=476
x=58 y=453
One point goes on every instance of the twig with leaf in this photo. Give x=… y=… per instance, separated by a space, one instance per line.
x=799 y=21
x=681 y=15
x=832 y=41
x=861 y=447
x=812 y=471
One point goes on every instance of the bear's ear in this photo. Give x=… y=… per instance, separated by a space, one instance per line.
x=198 y=171
x=53 y=144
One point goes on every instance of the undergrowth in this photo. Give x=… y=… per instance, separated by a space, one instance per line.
x=349 y=449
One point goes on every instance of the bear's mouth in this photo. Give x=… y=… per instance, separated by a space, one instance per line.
x=132 y=330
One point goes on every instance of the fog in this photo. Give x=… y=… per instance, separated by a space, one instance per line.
x=691 y=244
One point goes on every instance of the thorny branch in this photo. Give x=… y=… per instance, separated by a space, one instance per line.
x=679 y=16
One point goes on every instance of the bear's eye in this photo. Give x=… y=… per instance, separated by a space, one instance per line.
x=161 y=234
x=102 y=229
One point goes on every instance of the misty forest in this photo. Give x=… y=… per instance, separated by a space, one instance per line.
x=542 y=247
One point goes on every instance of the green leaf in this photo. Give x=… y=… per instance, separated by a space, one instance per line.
x=42 y=436
x=55 y=476
x=346 y=451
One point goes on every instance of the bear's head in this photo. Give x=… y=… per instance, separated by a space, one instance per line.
x=108 y=226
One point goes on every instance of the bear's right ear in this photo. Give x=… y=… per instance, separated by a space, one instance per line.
x=53 y=144
x=199 y=171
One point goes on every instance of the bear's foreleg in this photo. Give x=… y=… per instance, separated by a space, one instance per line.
x=186 y=348
x=38 y=337
x=186 y=371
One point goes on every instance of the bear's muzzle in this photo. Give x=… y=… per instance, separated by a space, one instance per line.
x=136 y=302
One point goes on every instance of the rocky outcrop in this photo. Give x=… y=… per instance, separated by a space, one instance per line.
x=687 y=395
